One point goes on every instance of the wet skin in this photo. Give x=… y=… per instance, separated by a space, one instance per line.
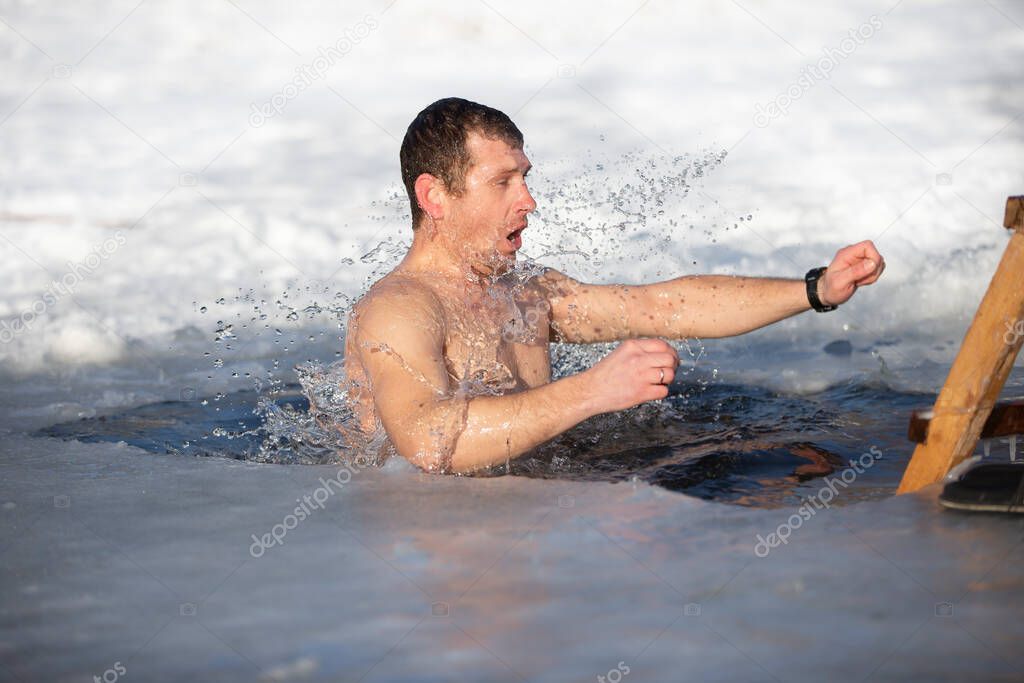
x=448 y=353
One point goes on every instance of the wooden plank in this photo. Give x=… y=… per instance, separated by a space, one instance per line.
x=980 y=368
x=1007 y=418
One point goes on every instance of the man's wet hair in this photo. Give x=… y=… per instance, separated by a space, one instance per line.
x=435 y=143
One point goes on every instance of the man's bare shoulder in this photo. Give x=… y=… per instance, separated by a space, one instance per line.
x=397 y=304
x=554 y=283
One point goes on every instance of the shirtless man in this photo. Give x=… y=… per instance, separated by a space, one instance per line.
x=448 y=353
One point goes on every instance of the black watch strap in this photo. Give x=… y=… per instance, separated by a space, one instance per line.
x=811 y=279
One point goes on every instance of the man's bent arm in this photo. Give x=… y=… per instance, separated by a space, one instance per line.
x=637 y=371
x=500 y=428
x=399 y=341
x=441 y=431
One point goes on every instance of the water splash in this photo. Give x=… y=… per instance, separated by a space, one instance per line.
x=612 y=221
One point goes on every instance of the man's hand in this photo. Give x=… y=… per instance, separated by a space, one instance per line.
x=853 y=266
x=639 y=370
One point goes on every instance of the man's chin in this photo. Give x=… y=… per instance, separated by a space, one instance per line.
x=497 y=263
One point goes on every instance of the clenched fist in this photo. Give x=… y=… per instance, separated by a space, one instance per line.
x=639 y=370
x=853 y=266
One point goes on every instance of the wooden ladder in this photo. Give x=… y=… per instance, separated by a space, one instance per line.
x=966 y=408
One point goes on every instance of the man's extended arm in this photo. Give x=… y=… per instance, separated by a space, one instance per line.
x=698 y=306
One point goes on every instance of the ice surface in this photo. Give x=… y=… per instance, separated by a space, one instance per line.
x=116 y=555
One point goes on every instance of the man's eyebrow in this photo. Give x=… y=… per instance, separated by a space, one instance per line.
x=510 y=171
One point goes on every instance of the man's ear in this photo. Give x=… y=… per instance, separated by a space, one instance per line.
x=431 y=195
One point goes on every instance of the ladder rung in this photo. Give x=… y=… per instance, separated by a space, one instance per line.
x=1007 y=418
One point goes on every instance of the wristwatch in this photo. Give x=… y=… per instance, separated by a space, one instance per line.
x=811 y=279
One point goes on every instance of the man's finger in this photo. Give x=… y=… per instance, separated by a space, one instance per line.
x=843 y=278
x=858 y=268
x=856 y=252
x=653 y=345
x=872 y=251
x=867 y=266
x=866 y=248
x=871 y=279
x=662 y=360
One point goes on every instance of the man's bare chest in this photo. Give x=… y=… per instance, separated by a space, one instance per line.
x=500 y=342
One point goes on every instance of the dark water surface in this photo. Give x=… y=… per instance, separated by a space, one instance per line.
x=735 y=444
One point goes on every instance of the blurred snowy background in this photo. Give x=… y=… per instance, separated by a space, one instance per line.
x=159 y=157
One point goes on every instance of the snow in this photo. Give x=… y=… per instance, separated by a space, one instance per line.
x=150 y=137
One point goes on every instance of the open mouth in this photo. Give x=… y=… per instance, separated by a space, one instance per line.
x=515 y=238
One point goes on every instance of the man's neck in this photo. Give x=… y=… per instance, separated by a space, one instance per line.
x=430 y=254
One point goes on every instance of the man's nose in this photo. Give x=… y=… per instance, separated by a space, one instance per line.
x=528 y=201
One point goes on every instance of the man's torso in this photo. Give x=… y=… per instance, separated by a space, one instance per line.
x=495 y=340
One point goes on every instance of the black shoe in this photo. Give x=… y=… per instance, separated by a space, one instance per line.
x=985 y=487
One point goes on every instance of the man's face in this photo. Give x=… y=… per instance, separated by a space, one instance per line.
x=489 y=216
